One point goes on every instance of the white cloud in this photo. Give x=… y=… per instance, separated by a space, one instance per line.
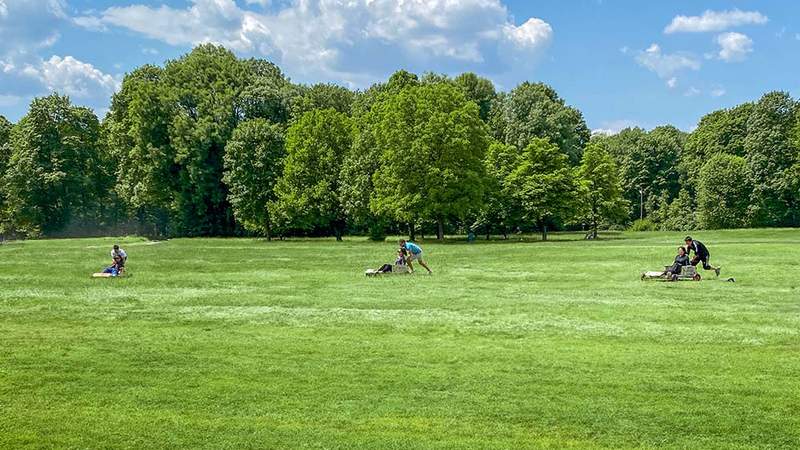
x=672 y=82
x=532 y=34
x=614 y=126
x=355 y=40
x=734 y=46
x=718 y=91
x=797 y=36
x=666 y=65
x=70 y=76
x=149 y=51
x=715 y=21
x=28 y=25
x=692 y=92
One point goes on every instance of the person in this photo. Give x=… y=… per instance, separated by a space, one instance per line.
x=681 y=259
x=701 y=254
x=414 y=254
x=112 y=269
x=402 y=255
x=119 y=257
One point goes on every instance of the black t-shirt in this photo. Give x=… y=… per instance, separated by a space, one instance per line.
x=682 y=260
x=699 y=249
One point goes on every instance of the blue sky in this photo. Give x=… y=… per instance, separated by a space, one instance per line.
x=621 y=62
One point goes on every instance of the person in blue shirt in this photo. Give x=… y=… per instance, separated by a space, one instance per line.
x=414 y=254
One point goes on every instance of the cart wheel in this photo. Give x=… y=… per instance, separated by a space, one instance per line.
x=696 y=277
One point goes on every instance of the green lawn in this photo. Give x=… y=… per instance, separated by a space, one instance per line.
x=241 y=343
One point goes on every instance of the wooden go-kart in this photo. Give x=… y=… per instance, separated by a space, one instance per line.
x=688 y=273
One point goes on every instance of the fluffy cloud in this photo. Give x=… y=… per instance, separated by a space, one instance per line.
x=28 y=25
x=76 y=78
x=715 y=21
x=666 y=65
x=355 y=40
x=734 y=46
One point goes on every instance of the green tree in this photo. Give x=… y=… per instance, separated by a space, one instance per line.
x=5 y=155
x=267 y=93
x=253 y=164
x=432 y=144
x=55 y=170
x=536 y=111
x=307 y=192
x=648 y=165
x=138 y=136
x=723 y=192
x=205 y=87
x=722 y=131
x=602 y=192
x=479 y=90
x=546 y=187
x=323 y=96
x=500 y=210
x=770 y=150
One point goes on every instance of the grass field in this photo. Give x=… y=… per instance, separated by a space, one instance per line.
x=241 y=343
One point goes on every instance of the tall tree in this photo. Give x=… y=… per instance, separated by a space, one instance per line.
x=253 y=163
x=138 y=135
x=267 y=93
x=323 y=96
x=648 y=165
x=770 y=150
x=500 y=211
x=536 y=111
x=546 y=187
x=479 y=90
x=602 y=191
x=55 y=167
x=205 y=87
x=307 y=192
x=432 y=144
x=5 y=155
x=723 y=192
x=722 y=131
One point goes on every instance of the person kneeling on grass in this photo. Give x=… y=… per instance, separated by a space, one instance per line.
x=701 y=254
x=414 y=254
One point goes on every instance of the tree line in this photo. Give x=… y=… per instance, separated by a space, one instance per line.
x=213 y=145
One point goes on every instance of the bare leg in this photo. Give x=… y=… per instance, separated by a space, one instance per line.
x=422 y=263
x=410 y=266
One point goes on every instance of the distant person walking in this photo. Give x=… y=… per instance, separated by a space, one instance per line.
x=701 y=254
x=414 y=254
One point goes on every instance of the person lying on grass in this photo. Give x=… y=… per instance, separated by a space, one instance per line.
x=701 y=254
x=414 y=254
x=113 y=269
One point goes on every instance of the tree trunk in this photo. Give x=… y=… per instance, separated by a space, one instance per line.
x=544 y=232
x=439 y=229
x=412 y=233
x=337 y=230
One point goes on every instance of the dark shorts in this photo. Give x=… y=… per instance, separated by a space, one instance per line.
x=704 y=259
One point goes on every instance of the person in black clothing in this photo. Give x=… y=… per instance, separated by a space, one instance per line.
x=701 y=254
x=680 y=260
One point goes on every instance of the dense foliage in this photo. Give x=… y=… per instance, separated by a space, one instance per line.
x=211 y=144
